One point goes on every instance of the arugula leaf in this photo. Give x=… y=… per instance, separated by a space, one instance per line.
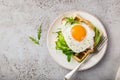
x=33 y=40
x=36 y=41
x=97 y=36
x=62 y=45
x=69 y=54
x=70 y=20
x=39 y=32
x=69 y=57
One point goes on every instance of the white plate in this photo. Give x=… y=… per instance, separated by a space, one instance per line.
x=59 y=57
x=118 y=74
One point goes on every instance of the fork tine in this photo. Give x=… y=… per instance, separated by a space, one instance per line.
x=102 y=41
x=103 y=37
x=102 y=44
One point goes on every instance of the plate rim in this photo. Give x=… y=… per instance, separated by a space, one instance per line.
x=75 y=11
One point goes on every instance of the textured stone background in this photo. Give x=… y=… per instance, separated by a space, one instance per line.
x=20 y=59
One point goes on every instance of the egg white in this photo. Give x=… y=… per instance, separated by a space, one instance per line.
x=78 y=46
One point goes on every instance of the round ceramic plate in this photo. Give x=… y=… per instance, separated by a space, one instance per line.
x=59 y=57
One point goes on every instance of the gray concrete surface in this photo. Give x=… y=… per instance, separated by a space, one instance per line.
x=20 y=59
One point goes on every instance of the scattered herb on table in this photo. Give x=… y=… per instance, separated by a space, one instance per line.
x=36 y=41
x=39 y=32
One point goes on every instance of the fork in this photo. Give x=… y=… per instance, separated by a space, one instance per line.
x=96 y=50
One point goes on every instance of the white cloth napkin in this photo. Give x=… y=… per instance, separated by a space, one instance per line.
x=118 y=75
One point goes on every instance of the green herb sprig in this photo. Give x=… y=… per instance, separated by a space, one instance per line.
x=70 y=20
x=36 y=41
x=97 y=36
x=39 y=32
x=62 y=45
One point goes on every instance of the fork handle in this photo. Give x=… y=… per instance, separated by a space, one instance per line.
x=70 y=74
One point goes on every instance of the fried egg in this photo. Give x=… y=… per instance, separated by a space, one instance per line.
x=78 y=37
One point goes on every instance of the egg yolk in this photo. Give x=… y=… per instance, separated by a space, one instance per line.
x=78 y=32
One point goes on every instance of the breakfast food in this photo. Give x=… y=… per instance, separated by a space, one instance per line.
x=77 y=37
